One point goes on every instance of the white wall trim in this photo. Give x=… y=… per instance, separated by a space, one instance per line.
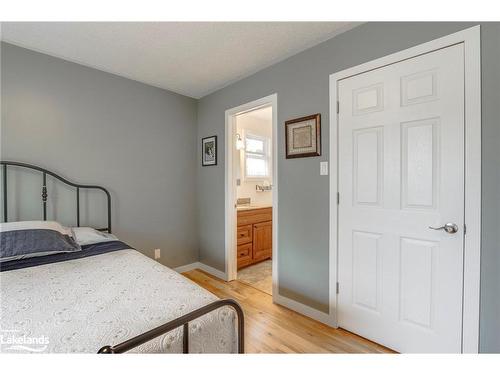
x=187 y=267
x=212 y=271
x=308 y=311
x=471 y=290
x=230 y=185
x=202 y=266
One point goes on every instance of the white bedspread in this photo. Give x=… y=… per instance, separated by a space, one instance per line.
x=81 y=305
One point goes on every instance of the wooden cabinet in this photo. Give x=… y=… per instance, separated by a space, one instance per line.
x=262 y=240
x=244 y=255
x=244 y=234
x=254 y=236
x=254 y=216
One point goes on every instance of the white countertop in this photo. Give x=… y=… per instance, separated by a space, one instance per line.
x=245 y=207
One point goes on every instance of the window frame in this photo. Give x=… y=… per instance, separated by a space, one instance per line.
x=266 y=156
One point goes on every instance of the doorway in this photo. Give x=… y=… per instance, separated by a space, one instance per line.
x=251 y=194
x=407 y=140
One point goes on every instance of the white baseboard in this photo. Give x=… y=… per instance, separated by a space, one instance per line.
x=305 y=310
x=186 y=267
x=212 y=271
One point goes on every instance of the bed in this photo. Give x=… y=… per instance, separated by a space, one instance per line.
x=106 y=297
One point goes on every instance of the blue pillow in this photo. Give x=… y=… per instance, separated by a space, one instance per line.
x=27 y=243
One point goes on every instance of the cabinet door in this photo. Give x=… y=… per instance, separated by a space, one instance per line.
x=262 y=240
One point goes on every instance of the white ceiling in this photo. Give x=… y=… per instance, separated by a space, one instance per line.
x=190 y=58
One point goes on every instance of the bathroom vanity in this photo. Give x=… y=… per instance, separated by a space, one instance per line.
x=254 y=234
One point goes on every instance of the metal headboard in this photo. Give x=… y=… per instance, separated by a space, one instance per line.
x=45 y=172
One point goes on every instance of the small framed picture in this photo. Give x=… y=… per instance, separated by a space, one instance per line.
x=303 y=137
x=209 y=151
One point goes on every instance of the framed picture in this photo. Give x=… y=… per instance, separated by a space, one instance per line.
x=209 y=151
x=303 y=137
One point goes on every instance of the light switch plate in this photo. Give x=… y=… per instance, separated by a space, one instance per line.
x=323 y=168
x=157 y=253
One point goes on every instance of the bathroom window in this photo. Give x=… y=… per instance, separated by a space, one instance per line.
x=257 y=157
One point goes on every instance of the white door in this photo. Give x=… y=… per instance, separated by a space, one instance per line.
x=401 y=170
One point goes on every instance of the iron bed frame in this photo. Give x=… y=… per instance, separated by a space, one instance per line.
x=46 y=172
x=129 y=344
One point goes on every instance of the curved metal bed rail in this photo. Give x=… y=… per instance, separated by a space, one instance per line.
x=182 y=321
x=45 y=172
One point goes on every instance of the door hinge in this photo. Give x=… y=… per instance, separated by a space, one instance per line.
x=338 y=198
x=338 y=106
x=465 y=229
x=338 y=288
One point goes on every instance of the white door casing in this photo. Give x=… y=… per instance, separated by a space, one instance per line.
x=470 y=38
x=401 y=170
x=230 y=186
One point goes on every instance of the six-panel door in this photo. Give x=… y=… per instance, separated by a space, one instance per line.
x=401 y=170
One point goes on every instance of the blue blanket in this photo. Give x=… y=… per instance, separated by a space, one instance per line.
x=86 y=251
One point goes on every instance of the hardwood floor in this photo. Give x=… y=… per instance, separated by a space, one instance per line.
x=270 y=328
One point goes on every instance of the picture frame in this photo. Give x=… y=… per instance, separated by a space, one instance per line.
x=209 y=151
x=303 y=137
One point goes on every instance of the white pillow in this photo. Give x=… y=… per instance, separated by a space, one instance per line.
x=22 y=225
x=87 y=236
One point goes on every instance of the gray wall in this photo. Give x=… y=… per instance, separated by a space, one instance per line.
x=95 y=127
x=490 y=246
x=302 y=86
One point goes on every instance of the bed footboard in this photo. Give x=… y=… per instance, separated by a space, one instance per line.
x=181 y=321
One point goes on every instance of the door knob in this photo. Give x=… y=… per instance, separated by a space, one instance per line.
x=448 y=228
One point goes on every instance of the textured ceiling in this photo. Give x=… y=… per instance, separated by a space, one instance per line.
x=190 y=58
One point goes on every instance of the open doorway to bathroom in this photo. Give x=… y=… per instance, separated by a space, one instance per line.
x=251 y=194
x=252 y=168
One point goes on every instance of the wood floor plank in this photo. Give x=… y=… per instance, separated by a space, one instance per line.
x=271 y=328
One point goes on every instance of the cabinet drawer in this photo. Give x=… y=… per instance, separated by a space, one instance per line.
x=255 y=216
x=244 y=255
x=244 y=234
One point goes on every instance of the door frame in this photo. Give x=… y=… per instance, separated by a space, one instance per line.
x=230 y=185
x=472 y=240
